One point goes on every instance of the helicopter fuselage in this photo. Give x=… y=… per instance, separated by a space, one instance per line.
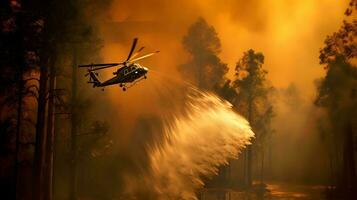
x=126 y=74
x=130 y=72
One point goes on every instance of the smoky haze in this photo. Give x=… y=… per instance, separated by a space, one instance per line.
x=288 y=33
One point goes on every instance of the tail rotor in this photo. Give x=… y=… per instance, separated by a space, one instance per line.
x=93 y=77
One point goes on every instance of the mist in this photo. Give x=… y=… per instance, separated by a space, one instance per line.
x=241 y=101
x=268 y=26
x=295 y=26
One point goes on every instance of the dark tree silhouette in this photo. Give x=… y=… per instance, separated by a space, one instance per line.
x=36 y=37
x=336 y=93
x=253 y=101
x=205 y=69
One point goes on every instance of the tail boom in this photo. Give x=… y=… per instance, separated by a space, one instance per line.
x=94 y=79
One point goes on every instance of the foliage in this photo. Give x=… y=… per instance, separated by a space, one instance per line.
x=339 y=83
x=227 y=91
x=36 y=35
x=205 y=68
x=336 y=94
x=342 y=43
x=254 y=101
x=251 y=85
x=336 y=91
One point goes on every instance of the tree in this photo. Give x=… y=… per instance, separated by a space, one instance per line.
x=343 y=41
x=253 y=101
x=205 y=68
x=77 y=36
x=35 y=39
x=336 y=94
x=17 y=35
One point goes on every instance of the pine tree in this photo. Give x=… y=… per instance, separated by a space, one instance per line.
x=253 y=100
x=205 y=68
x=336 y=94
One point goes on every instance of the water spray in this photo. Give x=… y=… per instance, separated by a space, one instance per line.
x=197 y=140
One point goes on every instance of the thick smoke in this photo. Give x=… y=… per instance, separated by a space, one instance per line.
x=268 y=26
x=297 y=26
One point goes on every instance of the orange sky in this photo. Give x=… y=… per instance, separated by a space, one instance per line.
x=288 y=32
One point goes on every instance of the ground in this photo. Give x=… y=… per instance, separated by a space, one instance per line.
x=275 y=191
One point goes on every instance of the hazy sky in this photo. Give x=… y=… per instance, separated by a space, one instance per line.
x=288 y=32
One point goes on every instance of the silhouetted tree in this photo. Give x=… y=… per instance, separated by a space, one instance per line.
x=253 y=99
x=337 y=95
x=205 y=68
x=227 y=91
x=17 y=34
x=35 y=36
x=76 y=41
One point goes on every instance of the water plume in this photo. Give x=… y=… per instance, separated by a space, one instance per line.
x=197 y=140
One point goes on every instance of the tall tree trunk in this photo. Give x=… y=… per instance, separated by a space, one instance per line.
x=50 y=134
x=40 y=133
x=249 y=147
x=262 y=167
x=74 y=130
x=349 y=160
x=20 y=88
x=56 y=152
x=199 y=72
x=46 y=51
x=18 y=131
x=244 y=155
x=270 y=159
x=249 y=165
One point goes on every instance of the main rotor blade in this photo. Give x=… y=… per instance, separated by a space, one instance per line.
x=101 y=65
x=99 y=68
x=132 y=48
x=137 y=53
x=144 y=56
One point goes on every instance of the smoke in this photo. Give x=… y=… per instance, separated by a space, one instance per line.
x=196 y=142
x=297 y=26
x=297 y=152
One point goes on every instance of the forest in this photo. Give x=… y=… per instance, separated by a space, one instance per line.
x=224 y=114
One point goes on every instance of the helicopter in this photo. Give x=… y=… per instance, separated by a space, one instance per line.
x=130 y=72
